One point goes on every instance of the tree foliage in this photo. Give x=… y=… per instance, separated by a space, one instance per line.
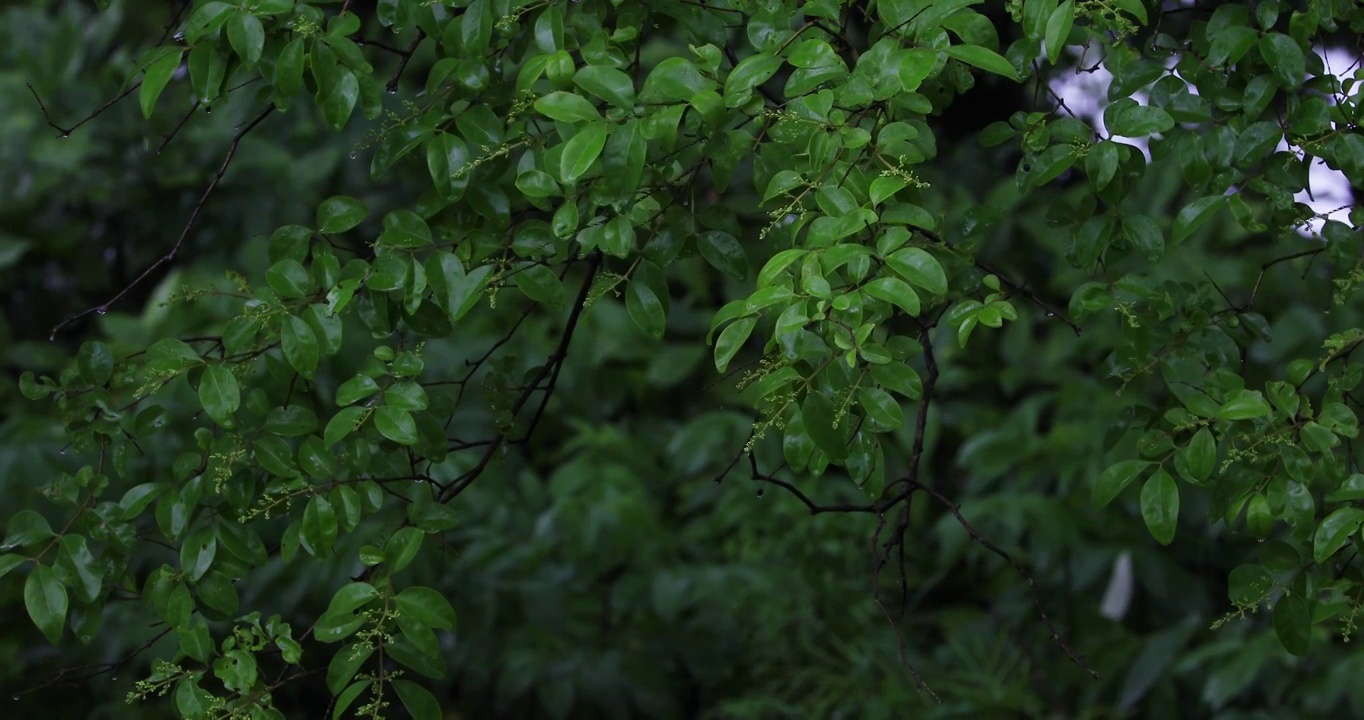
x=509 y=282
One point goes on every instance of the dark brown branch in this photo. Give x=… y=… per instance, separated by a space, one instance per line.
x=556 y=360
x=66 y=132
x=558 y=356
x=184 y=233
x=178 y=126
x=407 y=57
x=900 y=644
x=1017 y=566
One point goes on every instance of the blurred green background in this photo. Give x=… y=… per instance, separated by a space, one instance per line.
x=605 y=574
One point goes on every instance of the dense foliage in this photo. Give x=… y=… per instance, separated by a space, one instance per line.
x=375 y=359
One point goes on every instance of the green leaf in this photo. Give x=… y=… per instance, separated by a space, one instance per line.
x=26 y=528
x=822 y=423
x=983 y=58
x=919 y=267
x=275 y=455
x=1257 y=142
x=318 y=530
x=197 y=552
x=450 y=163
x=1248 y=585
x=396 y=425
x=339 y=620
x=1160 y=506
x=46 y=601
x=1244 y=405
x=581 y=151
x=271 y=7
x=1193 y=215
x=220 y=394
x=196 y=642
x=1118 y=476
x=337 y=96
x=299 y=343
x=1145 y=236
x=406 y=230
x=1101 y=164
x=540 y=284
x=1058 y=29
x=1285 y=59
x=896 y=292
x=1293 y=624
x=95 y=362
x=751 y=72
x=345 y=663
x=247 y=36
x=420 y=703
x=1334 y=532
x=289 y=279
x=356 y=389
x=427 y=607
x=567 y=107
x=1200 y=456
x=292 y=421
x=731 y=340
x=675 y=79
x=160 y=67
x=645 y=309
x=900 y=378
x=1135 y=8
x=723 y=252
x=881 y=407
x=9 y=562
x=402 y=547
x=347 y=697
x=343 y=423
x=339 y=213
x=289 y=68
x=1129 y=119
x=607 y=83
x=1228 y=46
x=206 y=20
x=406 y=395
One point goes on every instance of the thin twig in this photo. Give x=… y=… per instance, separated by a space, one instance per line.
x=66 y=132
x=184 y=233
x=1017 y=566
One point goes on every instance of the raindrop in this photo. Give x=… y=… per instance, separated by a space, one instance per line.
x=101 y=310
x=208 y=109
x=1051 y=314
x=62 y=451
x=16 y=697
x=64 y=135
x=760 y=493
x=392 y=89
x=717 y=481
